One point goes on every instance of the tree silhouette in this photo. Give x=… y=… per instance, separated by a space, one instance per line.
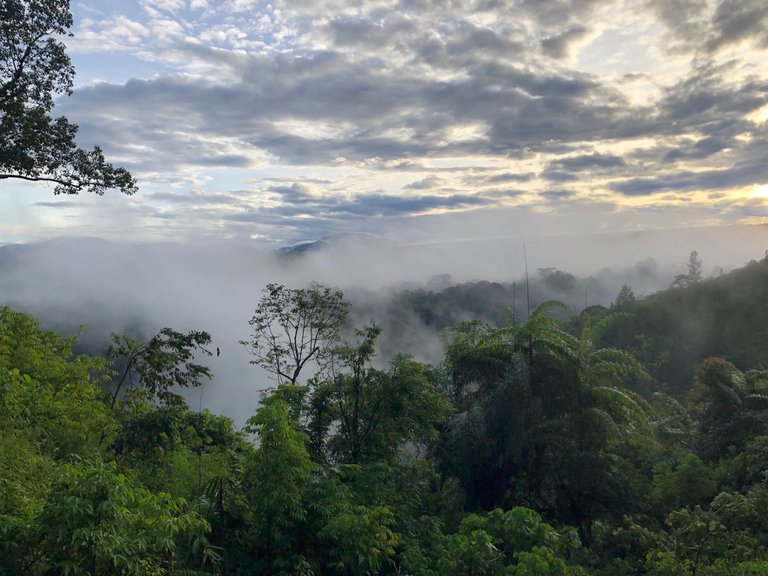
x=34 y=67
x=694 y=272
x=292 y=327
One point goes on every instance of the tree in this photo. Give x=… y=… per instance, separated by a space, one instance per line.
x=626 y=296
x=49 y=395
x=162 y=362
x=512 y=542
x=694 y=272
x=689 y=483
x=548 y=421
x=292 y=327
x=34 y=67
x=370 y=414
x=727 y=407
x=694 y=267
x=99 y=521
x=276 y=478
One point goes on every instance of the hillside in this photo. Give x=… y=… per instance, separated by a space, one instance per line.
x=670 y=331
x=673 y=330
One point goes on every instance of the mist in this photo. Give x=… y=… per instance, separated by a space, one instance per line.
x=139 y=288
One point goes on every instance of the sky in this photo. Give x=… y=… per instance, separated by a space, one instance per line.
x=276 y=122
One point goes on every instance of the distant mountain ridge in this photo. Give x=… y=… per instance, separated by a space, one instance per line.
x=328 y=242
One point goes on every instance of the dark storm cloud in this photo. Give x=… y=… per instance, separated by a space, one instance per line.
x=305 y=180
x=462 y=44
x=444 y=35
x=358 y=31
x=503 y=193
x=560 y=12
x=693 y=27
x=523 y=107
x=707 y=97
x=362 y=106
x=556 y=195
x=559 y=176
x=710 y=113
x=296 y=193
x=447 y=44
x=388 y=86
x=509 y=177
x=572 y=168
x=228 y=160
x=386 y=205
x=589 y=162
x=544 y=12
x=492 y=181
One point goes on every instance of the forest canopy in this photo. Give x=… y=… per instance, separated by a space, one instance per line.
x=541 y=446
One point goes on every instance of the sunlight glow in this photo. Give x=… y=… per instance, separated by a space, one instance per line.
x=759 y=116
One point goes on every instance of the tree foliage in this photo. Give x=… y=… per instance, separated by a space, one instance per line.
x=34 y=67
x=164 y=362
x=522 y=454
x=292 y=327
x=362 y=414
x=98 y=521
x=49 y=395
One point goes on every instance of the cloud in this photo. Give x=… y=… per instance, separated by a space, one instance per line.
x=556 y=195
x=708 y=95
x=559 y=176
x=594 y=161
x=560 y=12
x=703 y=148
x=560 y=46
x=282 y=120
x=425 y=183
x=684 y=19
x=573 y=168
x=739 y=20
x=698 y=26
x=237 y=125
x=738 y=175
x=296 y=201
x=60 y=204
x=508 y=177
x=194 y=198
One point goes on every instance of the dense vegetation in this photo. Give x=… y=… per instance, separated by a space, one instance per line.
x=623 y=441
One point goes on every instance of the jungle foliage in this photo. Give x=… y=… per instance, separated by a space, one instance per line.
x=543 y=446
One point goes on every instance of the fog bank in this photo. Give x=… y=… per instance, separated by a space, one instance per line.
x=138 y=288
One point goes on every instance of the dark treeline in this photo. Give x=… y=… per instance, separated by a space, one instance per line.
x=670 y=331
x=630 y=439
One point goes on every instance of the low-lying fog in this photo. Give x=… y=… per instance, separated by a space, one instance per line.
x=140 y=288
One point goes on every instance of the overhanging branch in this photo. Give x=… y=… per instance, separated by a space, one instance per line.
x=66 y=183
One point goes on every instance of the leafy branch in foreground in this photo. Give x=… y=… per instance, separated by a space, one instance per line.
x=34 y=66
